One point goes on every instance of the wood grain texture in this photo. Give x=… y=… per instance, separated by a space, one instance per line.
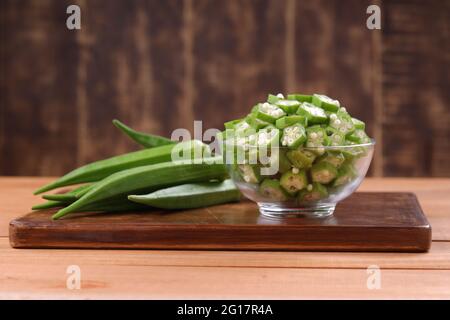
x=48 y=281
x=233 y=66
x=363 y=222
x=438 y=258
x=159 y=65
x=109 y=274
x=38 y=114
x=416 y=65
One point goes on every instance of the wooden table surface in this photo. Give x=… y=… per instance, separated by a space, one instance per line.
x=41 y=274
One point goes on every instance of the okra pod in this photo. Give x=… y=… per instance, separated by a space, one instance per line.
x=148 y=178
x=144 y=139
x=98 y=170
x=189 y=196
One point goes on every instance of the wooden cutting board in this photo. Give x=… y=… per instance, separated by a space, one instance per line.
x=362 y=222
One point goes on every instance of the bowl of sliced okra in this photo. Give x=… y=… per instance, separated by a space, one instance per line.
x=297 y=155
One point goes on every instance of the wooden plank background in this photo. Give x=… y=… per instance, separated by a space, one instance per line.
x=159 y=65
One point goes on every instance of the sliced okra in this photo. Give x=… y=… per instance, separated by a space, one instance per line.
x=313 y=192
x=288 y=106
x=325 y=102
x=355 y=152
x=335 y=137
x=293 y=181
x=358 y=124
x=269 y=136
x=268 y=112
x=281 y=160
x=293 y=136
x=342 y=122
x=273 y=99
x=250 y=173
x=301 y=159
x=256 y=123
x=317 y=138
x=334 y=158
x=271 y=188
x=315 y=115
x=323 y=172
x=346 y=174
x=230 y=124
x=300 y=97
x=290 y=120
x=358 y=136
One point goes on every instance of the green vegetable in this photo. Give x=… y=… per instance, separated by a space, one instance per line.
x=250 y=173
x=323 y=172
x=48 y=205
x=293 y=136
x=345 y=175
x=316 y=138
x=342 y=122
x=334 y=158
x=294 y=181
x=315 y=115
x=190 y=196
x=313 y=192
x=98 y=170
x=288 y=106
x=69 y=196
x=144 y=139
x=300 y=97
x=290 y=120
x=358 y=124
x=271 y=188
x=268 y=112
x=146 y=179
x=326 y=103
x=301 y=159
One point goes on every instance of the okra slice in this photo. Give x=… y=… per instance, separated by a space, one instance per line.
x=346 y=174
x=293 y=136
x=313 y=192
x=250 y=173
x=273 y=99
x=271 y=188
x=342 y=122
x=284 y=164
x=300 y=97
x=288 y=106
x=315 y=115
x=293 y=181
x=335 y=137
x=301 y=159
x=358 y=136
x=230 y=124
x=317 y=138
x=325 y=102
x=268 y=112
x=323 y=172
x=290 y=120
x=334 y=158
x=256 y=123
x=268 y=136
x=358 y=124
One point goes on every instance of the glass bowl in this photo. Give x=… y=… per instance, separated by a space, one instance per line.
x=313 y=189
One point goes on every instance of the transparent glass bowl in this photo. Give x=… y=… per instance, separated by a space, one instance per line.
x=351 y=162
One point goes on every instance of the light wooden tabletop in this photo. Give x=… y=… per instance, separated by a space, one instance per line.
x=42 y=274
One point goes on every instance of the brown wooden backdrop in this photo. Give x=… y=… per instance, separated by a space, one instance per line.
x=158 y=65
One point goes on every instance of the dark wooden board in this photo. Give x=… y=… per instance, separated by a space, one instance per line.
x=363 y=222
